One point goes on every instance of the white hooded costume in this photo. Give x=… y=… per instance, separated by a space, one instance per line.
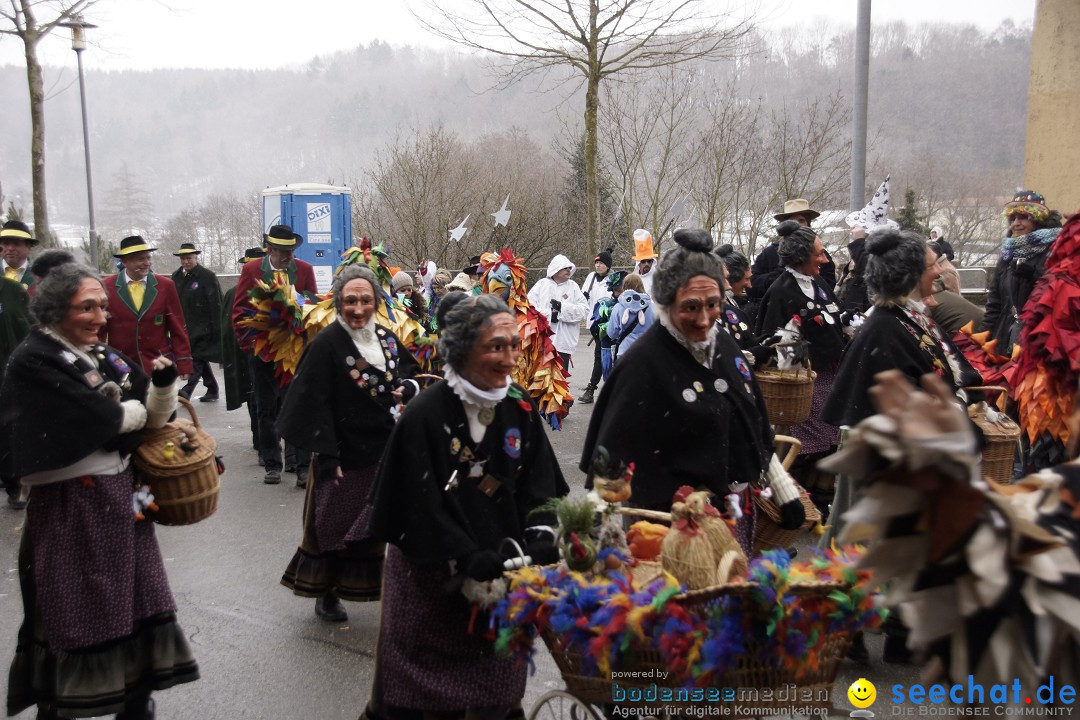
x=575 y=307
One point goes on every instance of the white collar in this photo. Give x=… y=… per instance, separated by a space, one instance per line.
x=472 y=395
x=128 y=279
x=805 y=282
x=916 y=305
x=20 y=269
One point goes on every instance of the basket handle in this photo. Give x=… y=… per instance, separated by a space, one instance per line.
x=986 y=388
x=647 y=514
x=191 y=410
x=794 y=446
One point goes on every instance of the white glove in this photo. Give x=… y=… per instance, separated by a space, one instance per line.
x=134 y=416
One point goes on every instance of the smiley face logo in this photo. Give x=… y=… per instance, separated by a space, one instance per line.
x=862 y=693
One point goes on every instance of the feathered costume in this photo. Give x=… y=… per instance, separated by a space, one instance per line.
x=987 y=579
x=540 y=369
x=1047 y=370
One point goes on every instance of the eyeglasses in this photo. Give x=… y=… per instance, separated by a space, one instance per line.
x=1019 y=216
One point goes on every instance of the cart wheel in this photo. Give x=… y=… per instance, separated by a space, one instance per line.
x=561 y=705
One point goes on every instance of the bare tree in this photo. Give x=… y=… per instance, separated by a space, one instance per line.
x=593 y=40
x=21 y=19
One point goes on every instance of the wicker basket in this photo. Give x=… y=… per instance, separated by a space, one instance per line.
x=177 y=461
x=1002 y=438
x=768 y=534
x=752 y=670
x=787 y=394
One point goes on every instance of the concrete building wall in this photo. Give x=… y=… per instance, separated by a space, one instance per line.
x=1052 y=160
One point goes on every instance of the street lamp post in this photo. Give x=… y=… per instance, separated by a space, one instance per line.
x=78 y=44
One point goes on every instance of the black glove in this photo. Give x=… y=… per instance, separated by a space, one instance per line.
x=542 y=552
x=761 y=353
x=556 y=306
x=408 y=390
x=164 y=377
x=328 y=467
x=481 y=565
x=792 y=514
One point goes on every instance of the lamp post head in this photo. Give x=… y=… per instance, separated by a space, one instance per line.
x=78 y=31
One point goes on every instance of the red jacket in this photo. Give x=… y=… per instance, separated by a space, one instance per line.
x=156 y=329
x=301 y=276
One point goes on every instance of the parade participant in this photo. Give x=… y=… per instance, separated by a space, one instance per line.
x=14 y=325
x=644 y=258
x=539 y=369
x=734 y=317
x=601 y=318
x=595 y=289
x=200 y=297
x=631 y=316
x=767 y=266
x=684 y=407
x=278 y=267
x=800 y=292
x=560 y=300
x=401 y=286
x=236 y=374
x=340 y=406
x=439 y=282
x=425 y=276
x=145 y=318
x=461 y=282
x=851 y=285
x=468 y=461
x=473 y=271
x=16 y=241
x=1032 y=230
x=99 y=632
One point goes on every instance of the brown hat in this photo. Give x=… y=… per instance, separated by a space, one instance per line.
x=798 y=206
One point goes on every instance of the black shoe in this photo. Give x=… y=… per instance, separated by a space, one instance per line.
x=16 y=503
x=272 y=477
x=328 y=607
x=209 y=398
x=290 y=468
x=896 y=651
x=587 y=397
x=857 y=652
x=301 y=478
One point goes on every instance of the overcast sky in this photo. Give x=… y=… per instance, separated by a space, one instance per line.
x=146 y=34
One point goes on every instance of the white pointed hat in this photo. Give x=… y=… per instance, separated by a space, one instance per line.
x=875 y=216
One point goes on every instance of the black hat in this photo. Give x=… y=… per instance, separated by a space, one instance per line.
x=187 y=249
x=132 y=245
x=282 y=236
x=604 y=256
x=252 y=254
x=18 y=230
x=473 y=267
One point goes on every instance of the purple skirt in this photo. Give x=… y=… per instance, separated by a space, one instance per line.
x=336 y=552
x=427 y=658
x=815 y=434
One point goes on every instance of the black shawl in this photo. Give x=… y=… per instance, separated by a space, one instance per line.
x=680 y=422
x=785 y=299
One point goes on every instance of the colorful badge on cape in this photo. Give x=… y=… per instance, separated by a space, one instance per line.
x=743 y=368
x=195 y=285
x=118 y=362
x=698 y=386
x=455 y=446
x=731 y=317
x=512 y=443
x=689 y=395
x=721 y=385
x=391 y=344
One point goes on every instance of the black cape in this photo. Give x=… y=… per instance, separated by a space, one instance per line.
x=890 y=340
x=785 y=299
x=51 y=411
x=234 y=361
x=340 y=408
x=680 y=422
x=200 y=298
x=414 y=509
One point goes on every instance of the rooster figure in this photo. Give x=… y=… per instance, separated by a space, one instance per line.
x=792 y=351
x=610 y=477
x=700 y=550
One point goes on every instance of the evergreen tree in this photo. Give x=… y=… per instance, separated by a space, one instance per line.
x=908 y=217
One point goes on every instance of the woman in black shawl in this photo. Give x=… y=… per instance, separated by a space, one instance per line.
x=340 y=406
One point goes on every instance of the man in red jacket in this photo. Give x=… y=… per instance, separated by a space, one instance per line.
x=145 y=317
x=281 y=242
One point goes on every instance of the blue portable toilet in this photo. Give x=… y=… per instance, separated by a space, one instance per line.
x=322 y=214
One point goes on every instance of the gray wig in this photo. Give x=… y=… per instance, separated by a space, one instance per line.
x=53 y=293
x=692 y=256
x=796 y=243
x=895 y=261
x=356 y=272
x=462 y=326
x=737 y=264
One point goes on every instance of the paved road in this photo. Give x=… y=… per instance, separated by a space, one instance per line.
x=261 y=650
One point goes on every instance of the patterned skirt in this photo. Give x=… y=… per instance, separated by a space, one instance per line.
x=815 y=434
x=336 y=552
x=427 y=658
x=99 y=620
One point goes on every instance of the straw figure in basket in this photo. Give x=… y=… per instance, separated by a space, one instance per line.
x=683 y=405
x=700 y=550
x=341 y=406
x=99 y=632
x=467 y=462
x=799 y=291
x=900 y=271
x=987 y=577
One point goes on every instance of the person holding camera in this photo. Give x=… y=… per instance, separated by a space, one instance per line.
x=561 y=301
